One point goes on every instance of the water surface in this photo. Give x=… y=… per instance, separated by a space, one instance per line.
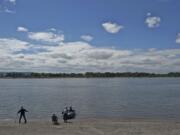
x=92 y=98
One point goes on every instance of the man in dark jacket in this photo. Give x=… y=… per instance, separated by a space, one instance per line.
x=22 y=112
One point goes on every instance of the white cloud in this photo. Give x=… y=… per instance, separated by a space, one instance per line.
x=46 y=37
x=87 y=38
x=12 y=1
x=97 y=54
x=148 y=14
x=152 y=21
x=49 y=36
x=53 y=29
x=7 y=6
x=80 y=56
x=12 y=45
x=178 y=38
x=9 y=11
x=22 y=29
x=112 y=27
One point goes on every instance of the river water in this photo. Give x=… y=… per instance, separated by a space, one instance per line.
x=92 y=98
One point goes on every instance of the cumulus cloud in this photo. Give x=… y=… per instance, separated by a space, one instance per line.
x=46 y=37
x=152 y=21
x=81 y=56
x=12 y=1
x=97 y=54
x=87 y=38
x=50 y=36
x=12 y=45
x=7 y=6
x=178 y=38
x=148 y=14
x=18 y=55
x=9 y=11
x=53 y=29
x=112 y=27
x=22 y=29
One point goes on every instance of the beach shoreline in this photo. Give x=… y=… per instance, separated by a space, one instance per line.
x=92 y=127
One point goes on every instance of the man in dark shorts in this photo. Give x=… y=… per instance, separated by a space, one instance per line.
x=22 y=112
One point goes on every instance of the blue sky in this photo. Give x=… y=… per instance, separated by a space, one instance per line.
x=126 y=35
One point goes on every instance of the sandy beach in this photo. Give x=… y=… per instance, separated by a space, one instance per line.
x=92 y=127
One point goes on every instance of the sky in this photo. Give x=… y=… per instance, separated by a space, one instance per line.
x=90 y=36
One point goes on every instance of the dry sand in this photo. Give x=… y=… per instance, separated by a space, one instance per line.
x=92 y=127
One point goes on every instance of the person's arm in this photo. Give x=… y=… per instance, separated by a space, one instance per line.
x=18 y=111
x=26 y=110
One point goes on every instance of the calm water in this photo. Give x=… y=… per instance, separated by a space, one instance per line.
x=92 y=98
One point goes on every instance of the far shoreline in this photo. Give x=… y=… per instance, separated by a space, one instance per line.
x=9 y=78
x=32 y=75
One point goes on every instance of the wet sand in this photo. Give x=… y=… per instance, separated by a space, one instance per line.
x=92 y=127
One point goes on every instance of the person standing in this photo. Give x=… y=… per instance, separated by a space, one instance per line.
x=65 y=114
x=22 y=112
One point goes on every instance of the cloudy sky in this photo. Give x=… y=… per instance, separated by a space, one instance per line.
x=90 y=35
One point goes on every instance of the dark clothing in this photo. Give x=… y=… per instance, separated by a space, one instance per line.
x=24 y=117
x=54 y=119
x=65 y=116
x=22 y=112
x=71 y=110
x=68 y=114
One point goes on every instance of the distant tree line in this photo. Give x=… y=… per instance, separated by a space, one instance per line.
x=84 y=75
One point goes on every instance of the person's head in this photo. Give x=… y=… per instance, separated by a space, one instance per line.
x=22 y=107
